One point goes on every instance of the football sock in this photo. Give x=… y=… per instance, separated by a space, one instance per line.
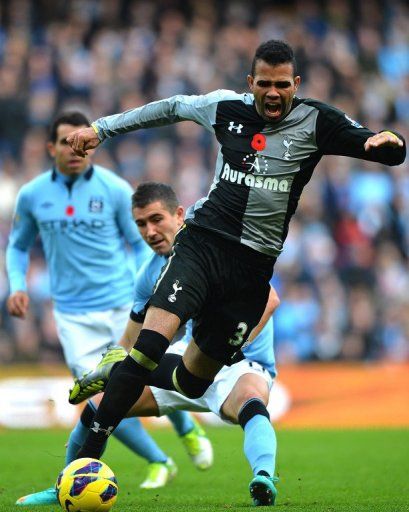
x=80 y=431
x=161 y=377
x=182 y=422
x=129 y=431
x=124 y=388
x=260 y=445
x=132 y=434
x=75 y=441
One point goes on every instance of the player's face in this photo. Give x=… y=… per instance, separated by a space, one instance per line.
x=273 y=88
x=158 y=226
x=66 y=161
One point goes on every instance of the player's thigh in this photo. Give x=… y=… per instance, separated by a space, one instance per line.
x=182 y=286
x=169 y=401
x=248 y=386
x=200 y=364
x=117 y=321
x=83 y=337
x=222 y=328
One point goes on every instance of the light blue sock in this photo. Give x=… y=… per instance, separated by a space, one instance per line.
x=75 y=441
x=132 y=434
x=260 y=444
x=182 y=422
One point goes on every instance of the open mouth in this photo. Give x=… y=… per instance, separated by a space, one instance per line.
x=272 y=110
x=156 y=243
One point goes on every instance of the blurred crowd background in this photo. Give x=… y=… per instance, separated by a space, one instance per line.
x=343 y=277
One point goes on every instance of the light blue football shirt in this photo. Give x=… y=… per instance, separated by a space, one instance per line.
x=84 y=228
x=261 y=350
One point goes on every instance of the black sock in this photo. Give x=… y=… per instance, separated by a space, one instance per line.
x=263 y=473
x=87 y=415
x=161 y=377
x=123 y=390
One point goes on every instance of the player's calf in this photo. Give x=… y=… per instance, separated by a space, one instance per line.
x=123 y=390
x=187 y=383
x=260 y=446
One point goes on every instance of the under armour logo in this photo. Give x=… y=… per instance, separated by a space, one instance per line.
x=233 y=127
x=287 y=144
x=96 y=428
x=176 y=288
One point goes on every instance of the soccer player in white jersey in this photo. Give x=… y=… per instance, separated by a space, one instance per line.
x=237 y=389
x=82 y=213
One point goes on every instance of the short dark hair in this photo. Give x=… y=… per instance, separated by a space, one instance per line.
x=74 y=118
x=149 y=192
x=274 y=52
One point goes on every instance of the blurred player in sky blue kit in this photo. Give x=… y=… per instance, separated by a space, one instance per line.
x=159 y=216
x=82 y=213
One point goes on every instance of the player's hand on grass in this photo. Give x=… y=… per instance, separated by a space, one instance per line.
x=82 y=140
x=18 y=303
x=383 y=139
x=95 y=381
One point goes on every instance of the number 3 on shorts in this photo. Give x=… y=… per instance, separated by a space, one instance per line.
x=237 y=339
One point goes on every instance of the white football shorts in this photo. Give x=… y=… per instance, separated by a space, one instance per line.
x=84 y=337
x=215 y=396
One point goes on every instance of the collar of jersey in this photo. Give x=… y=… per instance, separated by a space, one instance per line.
x=87 y=174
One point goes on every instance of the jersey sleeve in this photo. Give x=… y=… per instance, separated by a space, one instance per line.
x=144 y=282
x=338 y=134
x=200 y=109
x=22 y=236
x=128 y=227
x=261 y=349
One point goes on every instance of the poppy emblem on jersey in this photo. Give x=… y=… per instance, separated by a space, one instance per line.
x=258 y=142
x=96 y=205
x=69 y=210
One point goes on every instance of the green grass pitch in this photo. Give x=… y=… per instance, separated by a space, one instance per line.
x=325 y=471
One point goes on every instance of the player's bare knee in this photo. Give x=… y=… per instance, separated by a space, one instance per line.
x=250 y=409
x=199 y=363
x=250 y=392
x=188 y=384
x=248 y=387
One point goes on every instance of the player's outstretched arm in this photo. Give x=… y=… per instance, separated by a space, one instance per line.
x=130 y=335
x=272 y=304
x=95 y=381
x=385 y=138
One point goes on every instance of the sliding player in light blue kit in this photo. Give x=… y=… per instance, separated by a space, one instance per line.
x=82 y=213
x=239 y=393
